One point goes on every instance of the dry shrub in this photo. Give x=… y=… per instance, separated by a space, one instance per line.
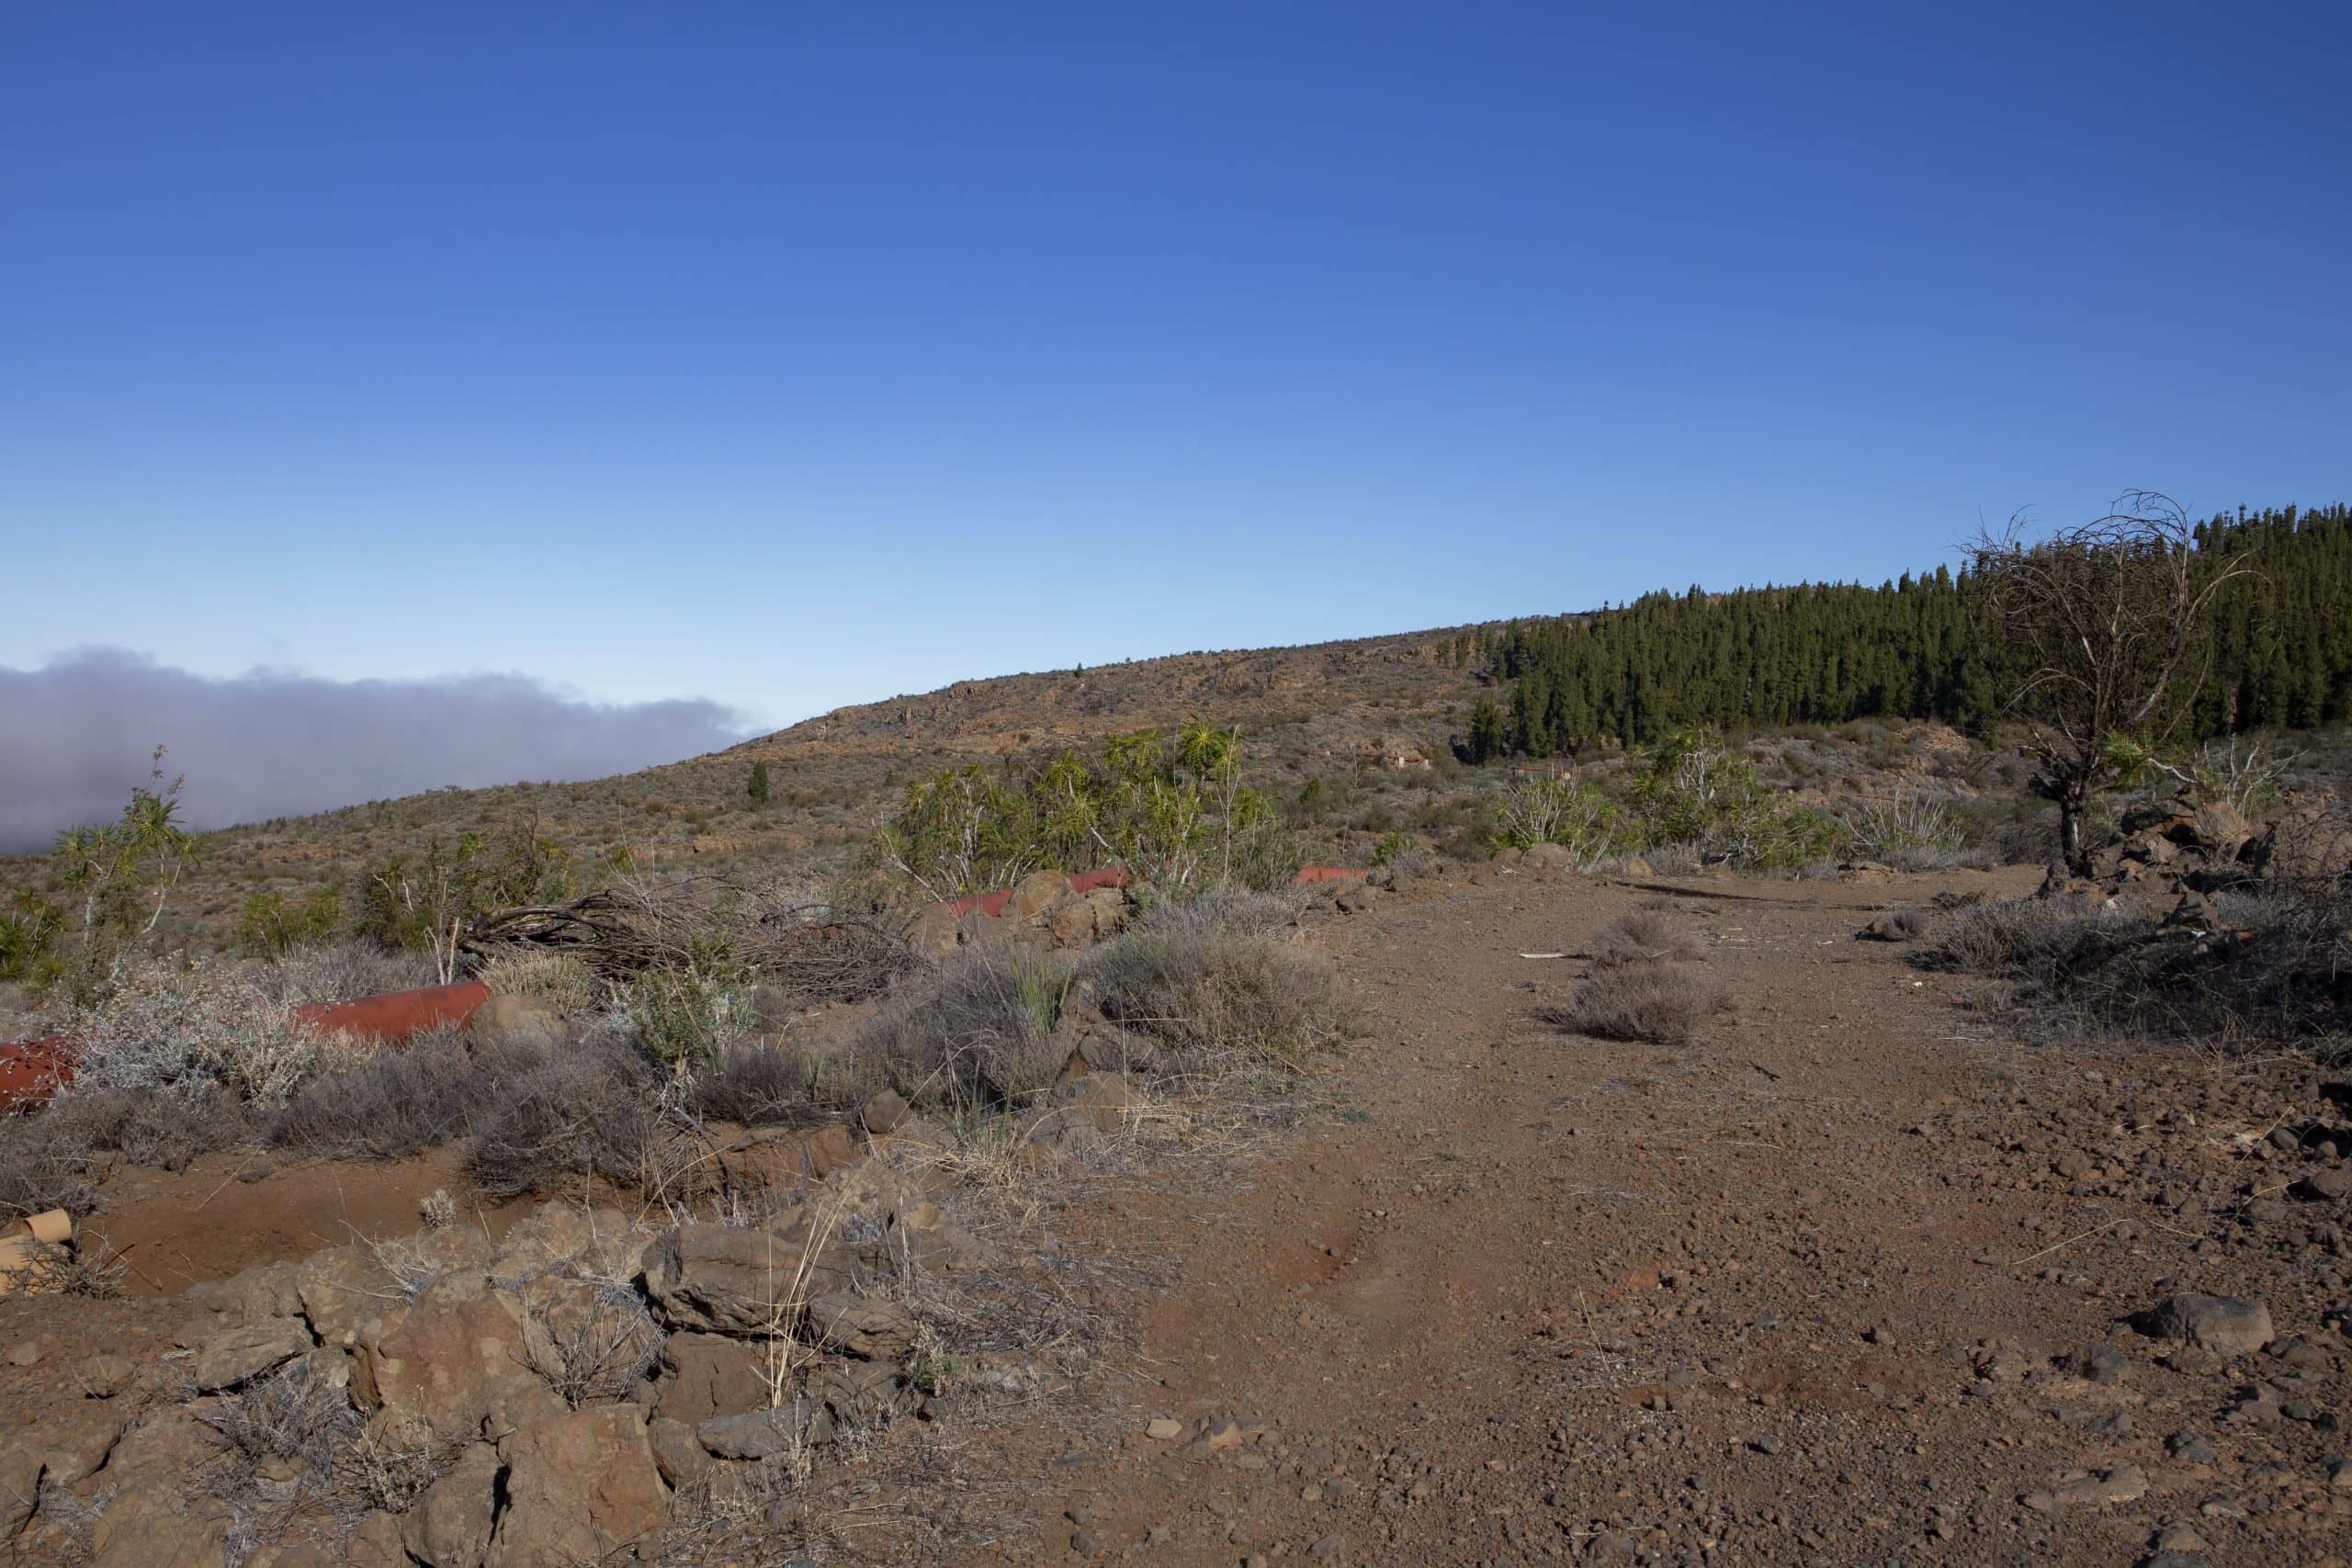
x=389 y=1105
x=1225 y=910
x=332 y=971
x=295 y=1414
x=1643 y=937
x=166 y=1130
x=190 y=1029
x=87 y=1268
x=973 y=1030
x=589 y=1109
x=56 y=1158
x=2277 y=968
x=1901 y=922
x=821 y=952
x=2034 y=938
x=1206 y=993
x=756 y=1082
x=589 y=1351
x=1663 y=1004
x=49 y=1160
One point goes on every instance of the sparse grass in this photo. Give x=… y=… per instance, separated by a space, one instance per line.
x=390 y=1467
x=1661 y=1003
x=404 y=1264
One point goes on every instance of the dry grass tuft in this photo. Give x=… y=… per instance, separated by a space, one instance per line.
x=1643 y=937
x=1663 y=1004
x=559 y=979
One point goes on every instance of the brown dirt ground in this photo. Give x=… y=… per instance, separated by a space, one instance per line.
x=1531 y=1296
x=1810 y=1289
x=171 y=1229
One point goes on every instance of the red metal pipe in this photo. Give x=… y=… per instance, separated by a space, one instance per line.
x=395 y=1015
x=32 y=1071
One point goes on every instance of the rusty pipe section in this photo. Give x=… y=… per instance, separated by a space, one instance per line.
x=32 y=1071
x=393 y=1016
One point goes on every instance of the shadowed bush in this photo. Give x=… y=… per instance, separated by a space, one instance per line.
x=161 y=1130
x=49 y=1160
x=2036 y=939
x=757 y=1083
x=1663 y=1004
x=2271 y=966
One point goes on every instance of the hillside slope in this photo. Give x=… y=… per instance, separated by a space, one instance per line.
x=1327 y=709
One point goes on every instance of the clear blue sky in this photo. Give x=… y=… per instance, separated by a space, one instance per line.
x=797 y=354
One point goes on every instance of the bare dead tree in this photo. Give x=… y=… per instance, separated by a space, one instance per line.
x=809 y=950
x=2105 y=624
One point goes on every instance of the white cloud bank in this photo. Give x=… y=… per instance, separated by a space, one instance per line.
x=76 y=734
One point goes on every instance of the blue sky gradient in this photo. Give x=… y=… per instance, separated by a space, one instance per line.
x=796 y=355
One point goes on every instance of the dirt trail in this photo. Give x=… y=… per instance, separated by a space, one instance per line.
x=1769 y=1296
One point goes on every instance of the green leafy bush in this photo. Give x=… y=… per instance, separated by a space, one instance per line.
x=269 y=923
x=1559 y=810
x=425 y=903
x=117 y=879
x=1169 y=805
x=685 y=1012
x=1696 y=792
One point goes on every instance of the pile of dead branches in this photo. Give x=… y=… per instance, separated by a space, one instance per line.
x=813 y=951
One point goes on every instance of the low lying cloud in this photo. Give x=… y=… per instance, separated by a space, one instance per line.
x=76 y=734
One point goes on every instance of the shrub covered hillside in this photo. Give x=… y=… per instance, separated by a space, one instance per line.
x=2278 y=655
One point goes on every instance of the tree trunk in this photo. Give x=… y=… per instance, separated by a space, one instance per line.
x=2072 y=803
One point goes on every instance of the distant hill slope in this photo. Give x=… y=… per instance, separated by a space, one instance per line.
x=1321 y=708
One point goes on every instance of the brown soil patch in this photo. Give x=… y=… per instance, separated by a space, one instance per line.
x=174 y=1228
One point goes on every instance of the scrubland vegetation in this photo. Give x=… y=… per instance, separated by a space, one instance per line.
x=809 y=1107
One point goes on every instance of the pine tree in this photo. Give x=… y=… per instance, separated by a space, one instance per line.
x=757 y=788
x=2277 y=652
